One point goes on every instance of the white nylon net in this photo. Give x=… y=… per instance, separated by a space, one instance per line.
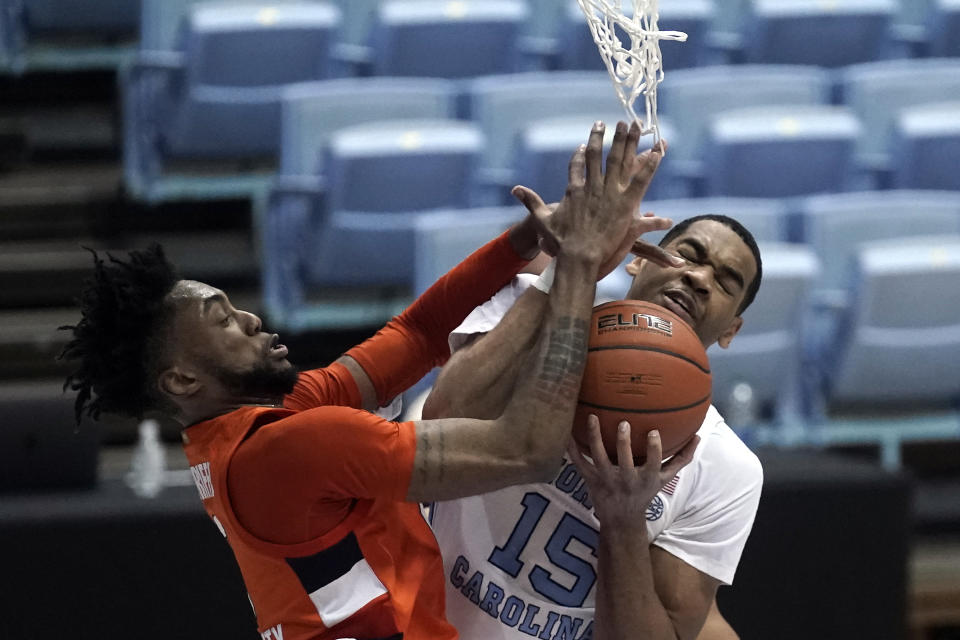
x=638 y=69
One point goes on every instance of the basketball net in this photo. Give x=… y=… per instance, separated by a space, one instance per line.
x=637 y=70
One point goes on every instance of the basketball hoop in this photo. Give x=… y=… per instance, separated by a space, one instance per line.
x=638 y=70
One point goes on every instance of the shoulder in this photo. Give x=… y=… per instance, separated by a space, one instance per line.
x=724 y=456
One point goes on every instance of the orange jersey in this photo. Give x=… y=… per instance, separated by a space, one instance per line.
x=310 y=495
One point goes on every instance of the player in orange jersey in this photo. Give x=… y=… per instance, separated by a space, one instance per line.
x=316 y=495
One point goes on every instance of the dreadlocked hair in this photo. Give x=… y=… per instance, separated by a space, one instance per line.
x=118 y=342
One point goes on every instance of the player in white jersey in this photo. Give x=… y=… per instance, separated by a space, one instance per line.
x=533 y=560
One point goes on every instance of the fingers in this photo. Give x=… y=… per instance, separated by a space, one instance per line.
x=597 y=450
x=647 y=163
x=618 y=150
x=630 y=149
x=655 y=254
x=625 y=451
x=540 y=213
x=594 y=158
x=654 y=450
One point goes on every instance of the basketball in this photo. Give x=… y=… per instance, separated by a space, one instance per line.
x=646 y=366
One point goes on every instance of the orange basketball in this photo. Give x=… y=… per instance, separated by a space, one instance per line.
x=646 y=366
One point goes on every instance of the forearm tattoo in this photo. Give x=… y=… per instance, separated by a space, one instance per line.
x=559 y=376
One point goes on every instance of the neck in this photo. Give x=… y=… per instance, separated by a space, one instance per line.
x=209 y=410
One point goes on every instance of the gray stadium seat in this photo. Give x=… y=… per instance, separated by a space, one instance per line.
x=780 y=151
x=927 y=143
x=544 y=148
x=447 y=39
x=833 y=225
x=766 y=354
x=900 y=343
x=828 y=34
x=943 y=24
x=403 y=165
x=766 y=218
x=206 y=87
x=312 y=110
x=380 y=176
x=443 y=238
x=503 y=104
x=877 y=91
x=66 y=35
x=692 y=96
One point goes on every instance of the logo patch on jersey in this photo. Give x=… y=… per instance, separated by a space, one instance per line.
x=201 y=477
x=655 y=509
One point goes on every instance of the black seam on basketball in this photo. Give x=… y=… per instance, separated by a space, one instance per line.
x=642 y=348
x=625 y=410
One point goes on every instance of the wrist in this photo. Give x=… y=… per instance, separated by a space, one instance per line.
x=524 y=239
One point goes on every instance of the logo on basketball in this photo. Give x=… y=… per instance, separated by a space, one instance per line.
x=655 y=509
x=633 y=322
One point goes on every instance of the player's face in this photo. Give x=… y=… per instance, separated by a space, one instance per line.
x=709 y=288
x=227 y=344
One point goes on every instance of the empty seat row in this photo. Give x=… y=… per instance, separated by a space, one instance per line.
x=169 y=120
x=858 y=305
x=390 y=37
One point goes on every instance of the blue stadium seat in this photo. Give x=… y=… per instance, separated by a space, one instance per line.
x=445 y=237
x=766 y=355
x=544 y=149
x=311 y=111
x=834 y=224
x=66 y=35
x=900 y=343
x=236 y=61
x=380 y=175
x=766 y=218
x=503 y=104
x=576 y=48
x=943 y=25
x=780 y=151
x=438 y=38
x=403 y=165
x=829 y=34
x=104 y=17
x=210 y=90
x=692 y=96
x=927 y=143
x=876 y=91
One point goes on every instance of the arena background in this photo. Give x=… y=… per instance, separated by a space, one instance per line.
x=832 y=128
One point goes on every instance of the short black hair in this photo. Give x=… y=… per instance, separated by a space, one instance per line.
x=118 y=342
x=738 y=229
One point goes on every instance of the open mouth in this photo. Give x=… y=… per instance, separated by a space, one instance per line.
x=275 y=348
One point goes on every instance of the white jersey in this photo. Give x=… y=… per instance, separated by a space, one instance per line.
x=522 y=561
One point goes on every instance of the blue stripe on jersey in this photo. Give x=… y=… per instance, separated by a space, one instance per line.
x=323 y=567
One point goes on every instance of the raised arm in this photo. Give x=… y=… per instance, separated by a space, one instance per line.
x=460 y=456
x=414 y=342
x=480 y=377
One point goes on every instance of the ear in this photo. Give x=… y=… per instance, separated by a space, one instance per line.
x=178 y=382
x=633 y=267
x=727 y=336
